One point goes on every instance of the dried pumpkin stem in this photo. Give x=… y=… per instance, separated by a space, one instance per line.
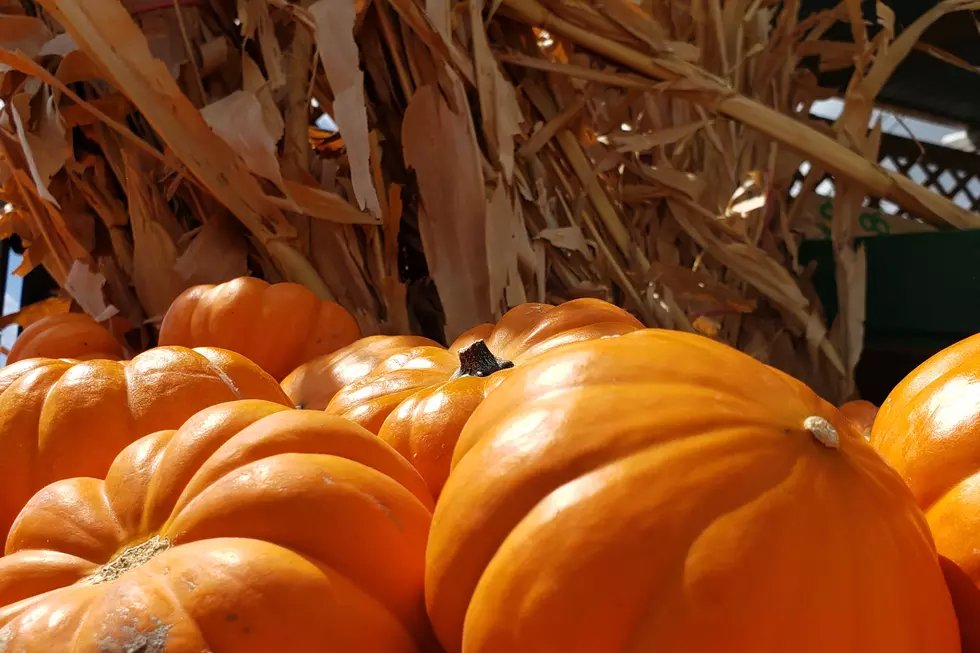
x=130 y=558
x=478 y=360
x=823 y=431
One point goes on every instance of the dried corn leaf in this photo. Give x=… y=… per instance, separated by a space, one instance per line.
x=107 y=33
x=85 y=287
x=440 y=145
x=570 y=238
x=239 y=119
x=31 y=313
x=154 y=253
x=256 y=21
x=502 y=117
x=24 y=33
x=648 y=141
x=335 y=42
x=218 y=253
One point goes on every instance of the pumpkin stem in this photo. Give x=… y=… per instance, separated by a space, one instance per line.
x=478 y=360
x=823 y=431
x=130 y=558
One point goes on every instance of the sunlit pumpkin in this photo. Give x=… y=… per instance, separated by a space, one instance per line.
x=63 y=418
x=253 y=528
x=279 y=326
x=862 y=415
x=928 y=429
x=418 y=400
x=312 y=385
x=66 y=335
x=661 y=491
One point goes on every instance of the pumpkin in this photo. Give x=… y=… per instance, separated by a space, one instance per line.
x=861 y=413
x=67 y=335
x=201 y=539
x=966 y=601
x=312 y=385
x=64 y=418
x=418 y=400
x=928 y=429
x=279 y=326
x=661 y=491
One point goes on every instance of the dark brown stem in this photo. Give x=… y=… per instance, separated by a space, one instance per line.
x=478 y=360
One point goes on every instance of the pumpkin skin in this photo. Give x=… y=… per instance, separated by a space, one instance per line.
x=418 y=401
x=224 y=503
x=862 y=415
x=928 y=429
x=966 y=600
x=63 y=418
x=279 y=326
x=312 y=385
x=67 y=335
x=663 y=492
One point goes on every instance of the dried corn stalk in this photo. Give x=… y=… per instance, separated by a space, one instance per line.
x=488 y=153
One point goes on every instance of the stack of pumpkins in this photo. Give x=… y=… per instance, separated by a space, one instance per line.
x=562 y=481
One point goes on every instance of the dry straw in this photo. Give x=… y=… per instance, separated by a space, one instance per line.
x=633 y=150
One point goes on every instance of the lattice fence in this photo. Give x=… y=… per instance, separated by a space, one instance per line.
x=954 y=174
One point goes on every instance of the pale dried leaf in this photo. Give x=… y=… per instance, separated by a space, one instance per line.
x=335 y=42
x=502 y=117
x=440 y=145
x=240 y=121
x=678 y=180
x=61 y=45
x=570 y=238
x=645 y=142
x=154 y=253
x=85 y=287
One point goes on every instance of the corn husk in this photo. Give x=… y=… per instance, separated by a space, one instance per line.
x=488 y=154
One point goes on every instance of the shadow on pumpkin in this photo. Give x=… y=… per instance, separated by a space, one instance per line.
x=966 y=601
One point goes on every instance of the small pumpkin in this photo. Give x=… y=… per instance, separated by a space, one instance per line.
x=312 y=385
x=63 y=418
x=201 y=539
x=862 y=415
x=418 y=400
x=66 y=335
x=928 y=429
x=661 y=491
x=279 y=326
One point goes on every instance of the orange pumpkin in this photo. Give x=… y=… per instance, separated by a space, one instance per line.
x=862 y=415
x=664 y=492
x=966 y=600
x=418 y=400
x=928 y=429
x=67 y=335
x=253 y=528
x=64 y=418
x=279 y=326
x=312 y=385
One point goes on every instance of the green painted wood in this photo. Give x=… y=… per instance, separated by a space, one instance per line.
x=923 y=289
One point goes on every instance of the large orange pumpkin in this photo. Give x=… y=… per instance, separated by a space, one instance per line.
x=67 y=335
x=253 y=528
x=418 y=400
x=312 y=385
x=63 y=418
x=664 y=492
x=929 y=430
x=279 y=326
